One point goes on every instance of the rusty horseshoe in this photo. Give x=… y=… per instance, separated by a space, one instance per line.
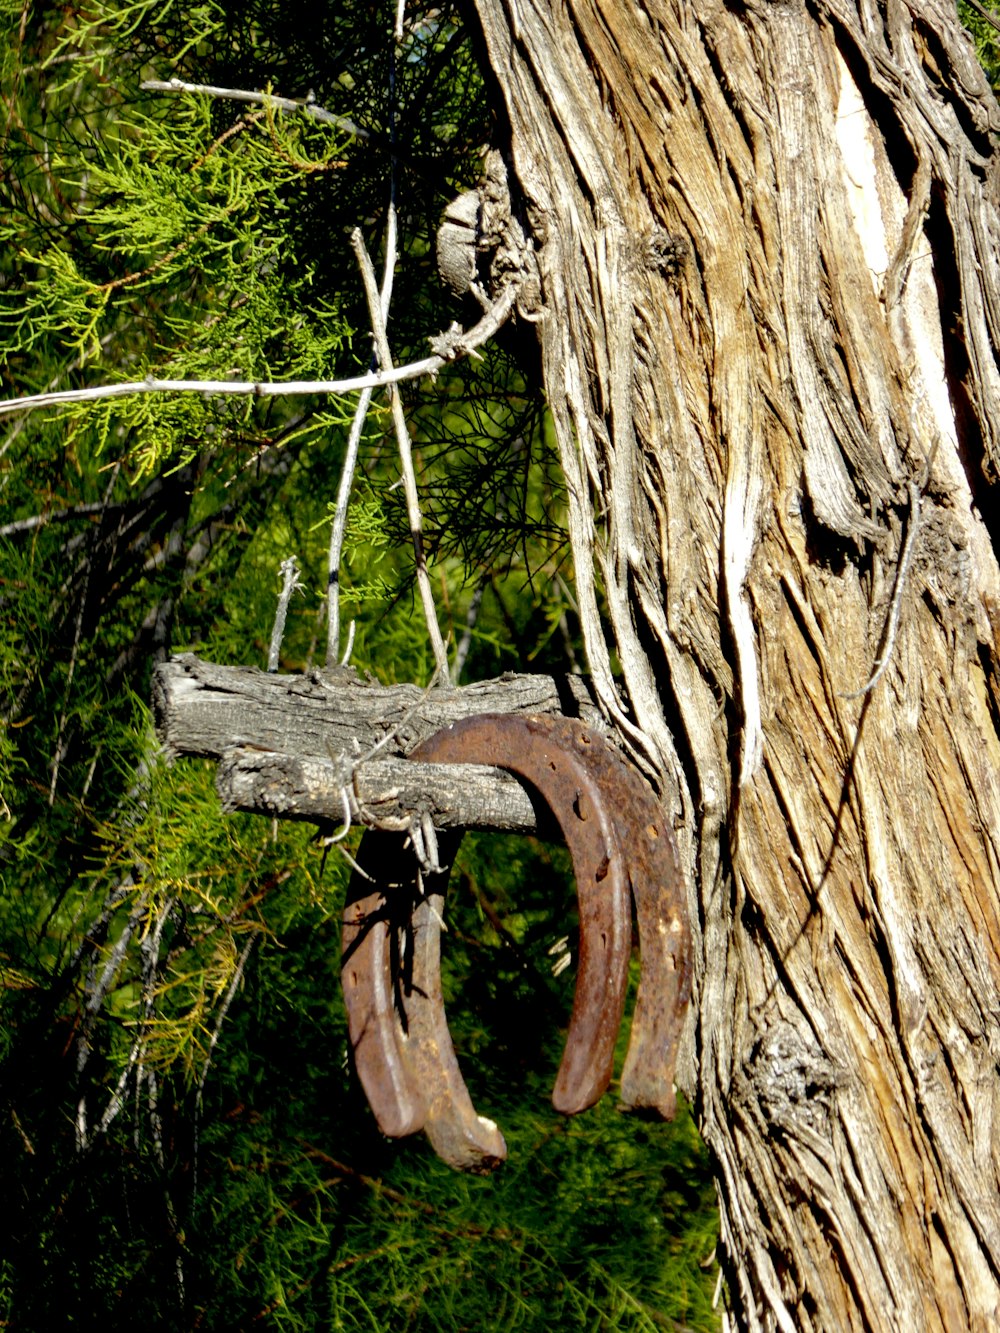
x=391 y=977
x=538 y=749
x=648 y=857
x=372 y=927
x=457 y=1133
x=618 y=840
x=649 y=849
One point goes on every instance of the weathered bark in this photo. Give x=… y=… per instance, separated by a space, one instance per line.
x=295 y=747
x=767 y=238
x=205 y=709
x=382 y=793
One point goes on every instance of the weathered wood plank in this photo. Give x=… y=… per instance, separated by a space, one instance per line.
x=202 y=708
x=290 y=745
x=382 y=793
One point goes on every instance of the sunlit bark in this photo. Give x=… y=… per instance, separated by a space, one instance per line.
x=767 y=238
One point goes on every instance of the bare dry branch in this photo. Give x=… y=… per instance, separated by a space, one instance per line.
x=450 y=346
x=405 y=458
x=304 y=104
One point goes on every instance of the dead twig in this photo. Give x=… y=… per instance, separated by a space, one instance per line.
x=405 y=457
x=347 y=472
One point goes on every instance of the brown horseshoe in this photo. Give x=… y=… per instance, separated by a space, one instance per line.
x=649 y=854
x=658 y=890
x=458 y=1135
x=402 y=1048
x=616 y=834
x=544 y=751
x=370 y=937
x=652 y=859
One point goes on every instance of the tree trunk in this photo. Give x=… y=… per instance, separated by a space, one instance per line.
x=767 y=240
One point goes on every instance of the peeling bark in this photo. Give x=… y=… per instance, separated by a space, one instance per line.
x=205 y=709
x=767 y=238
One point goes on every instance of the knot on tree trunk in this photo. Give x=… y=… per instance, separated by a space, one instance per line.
x=791 y=1080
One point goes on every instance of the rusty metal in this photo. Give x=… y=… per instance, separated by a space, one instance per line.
x=546 y=751
x=373 y=925
x=650 y=853
x=618 y=841
x=648 y=857
x=458 y=1135
x=391 y=976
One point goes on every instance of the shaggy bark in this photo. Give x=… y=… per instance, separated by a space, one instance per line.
x=205 y=709
x=767 y=237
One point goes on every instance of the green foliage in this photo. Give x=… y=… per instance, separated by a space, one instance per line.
x=184 y=1143
x=986 y=35
x=191 y=225
x=287 y=1207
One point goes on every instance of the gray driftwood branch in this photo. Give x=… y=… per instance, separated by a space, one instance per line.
x=383 y=793
x=290 y=745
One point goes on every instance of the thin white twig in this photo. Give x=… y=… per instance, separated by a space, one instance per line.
x=398 y=32
x=471 y=616
x=415 y=843
x=54 y=516
x=353 y=864
x=422 y=838
x=117 y=1101
x=331 y=839
x=450 y=346
x=304 y=104
x=430 y=843
x=405 y=457
x=289 y=583
x=339 y=527
x=350 y=464
x=236 y=388
x=351 y=630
